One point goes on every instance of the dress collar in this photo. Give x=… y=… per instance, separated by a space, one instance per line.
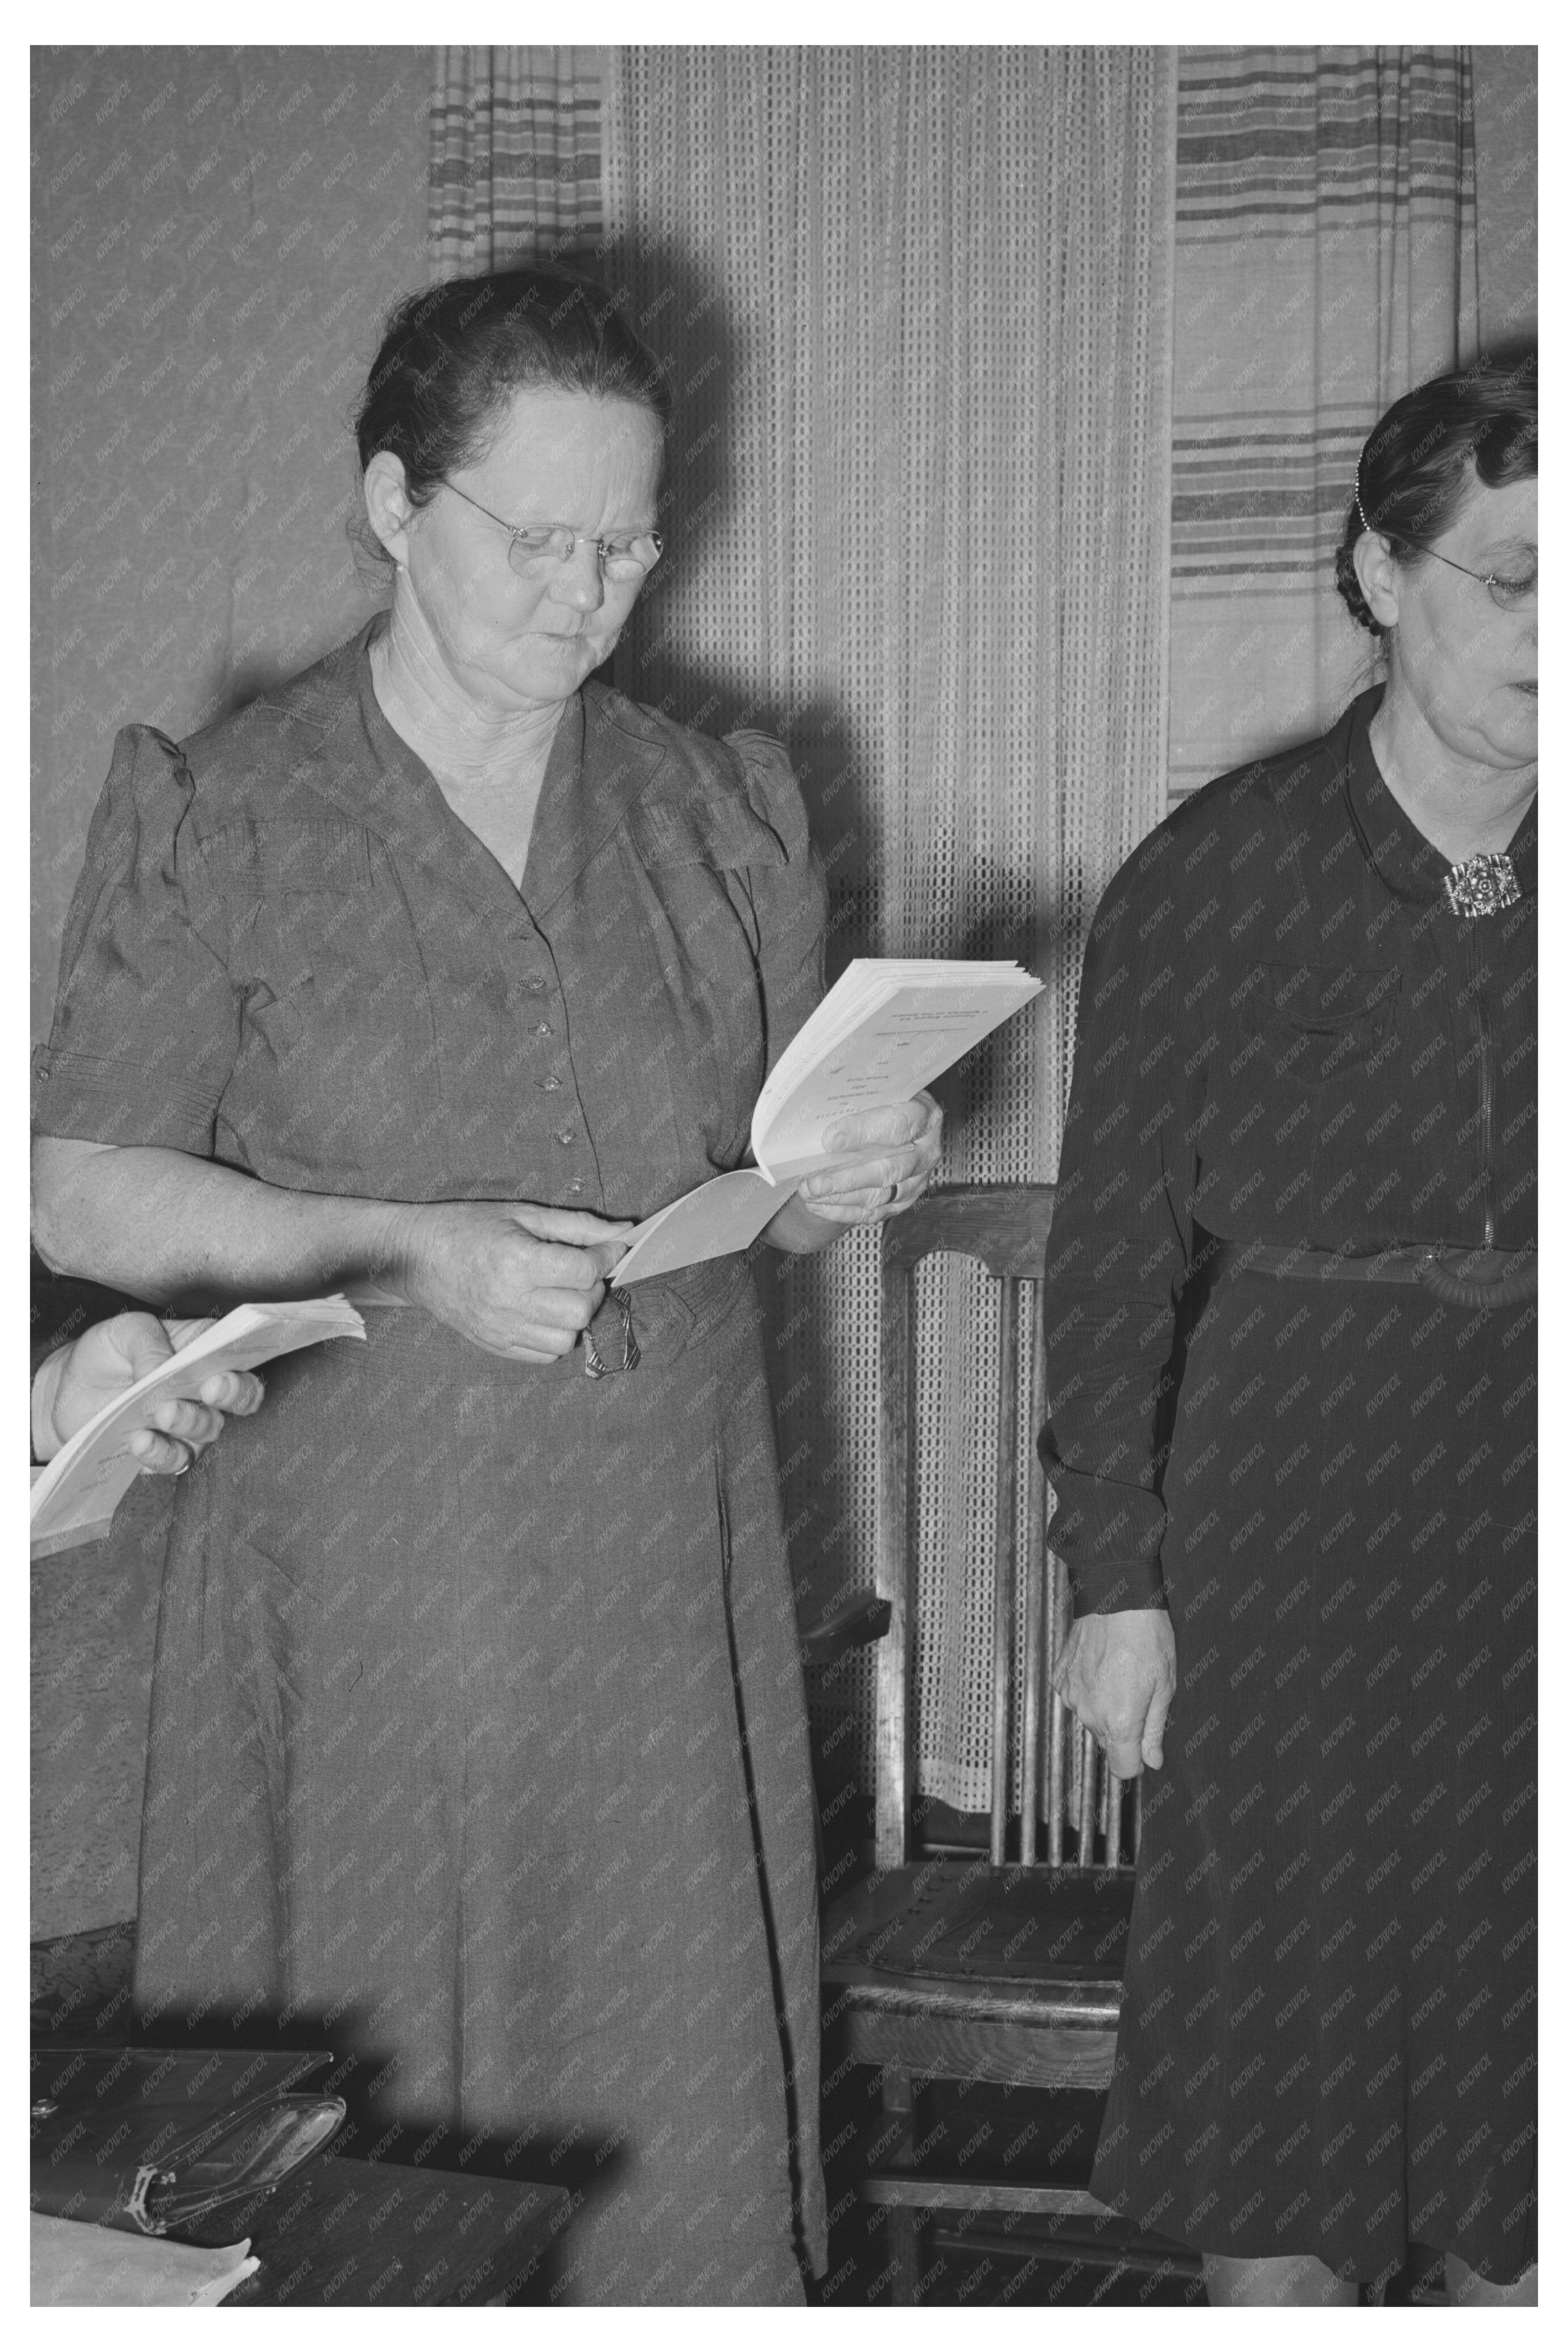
x=603 y=754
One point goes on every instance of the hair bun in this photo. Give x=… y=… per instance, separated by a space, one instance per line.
x=1348 y=586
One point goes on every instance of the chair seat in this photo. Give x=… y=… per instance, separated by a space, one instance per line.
x=975 y=1969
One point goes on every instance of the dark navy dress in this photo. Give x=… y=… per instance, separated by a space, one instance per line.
x=1289 y=1038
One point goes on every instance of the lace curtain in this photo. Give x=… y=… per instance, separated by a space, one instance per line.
x=915 y=305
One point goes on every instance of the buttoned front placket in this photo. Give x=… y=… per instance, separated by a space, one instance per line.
x=510 y=955
x=428 y=844
x=540 y=1007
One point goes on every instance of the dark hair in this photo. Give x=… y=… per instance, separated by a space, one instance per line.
x=452 y=357
x=1418 y=463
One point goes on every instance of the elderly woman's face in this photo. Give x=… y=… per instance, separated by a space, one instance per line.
x=1470 y=668
x=514 y=643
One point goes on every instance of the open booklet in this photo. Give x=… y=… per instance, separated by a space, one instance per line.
x=883 y=1032
x=74 y=1496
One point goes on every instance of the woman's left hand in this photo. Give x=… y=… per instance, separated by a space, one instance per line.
x=897 y=1150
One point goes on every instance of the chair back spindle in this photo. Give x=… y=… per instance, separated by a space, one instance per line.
x=1062 y=1776
x=1036 y=1593
x=1004 y=1586
x=896 y=1522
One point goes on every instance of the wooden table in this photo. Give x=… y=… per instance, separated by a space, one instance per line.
x=343 y=2232
x=338 y=2230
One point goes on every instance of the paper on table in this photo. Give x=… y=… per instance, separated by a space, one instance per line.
x=74 y=1497
x=81 y=2262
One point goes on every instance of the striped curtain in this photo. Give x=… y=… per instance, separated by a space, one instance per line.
x=516 y=157
x=1325 y=263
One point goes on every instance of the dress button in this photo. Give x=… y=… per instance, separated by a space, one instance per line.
x=564 y=1135
x=550 y=1083
x=575 y=1185
x=543 y=1029
x=536 y=985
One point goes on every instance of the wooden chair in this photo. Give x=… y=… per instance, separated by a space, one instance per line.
x=1005 y=1965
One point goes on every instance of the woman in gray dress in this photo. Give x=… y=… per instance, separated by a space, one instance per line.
x=477 y=1725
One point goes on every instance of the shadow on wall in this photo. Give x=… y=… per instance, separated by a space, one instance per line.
x=256 y=674
x=723 y=638
x=675 y=303
x=709 y=643
x=212 y=260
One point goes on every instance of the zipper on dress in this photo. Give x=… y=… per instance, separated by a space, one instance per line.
x=1484 y=1058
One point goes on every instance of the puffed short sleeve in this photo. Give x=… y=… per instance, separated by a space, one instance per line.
x=146 y=1027
x=790 y=894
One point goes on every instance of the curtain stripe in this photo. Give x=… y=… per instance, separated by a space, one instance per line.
x=516 y=157
x=1325 y=262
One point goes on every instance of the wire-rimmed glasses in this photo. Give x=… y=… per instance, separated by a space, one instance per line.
x=536 y=548
x=1507 y=594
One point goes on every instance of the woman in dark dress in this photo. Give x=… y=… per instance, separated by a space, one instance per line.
x=1292 y=1341
x=477 y=1728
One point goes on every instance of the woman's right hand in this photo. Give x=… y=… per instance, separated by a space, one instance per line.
x=1118 y=1674
x=518 y=1280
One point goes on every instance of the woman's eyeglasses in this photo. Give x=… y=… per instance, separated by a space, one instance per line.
x=1507 y=594
x=537 y=548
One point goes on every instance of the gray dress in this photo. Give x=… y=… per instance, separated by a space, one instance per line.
x=479 y=1735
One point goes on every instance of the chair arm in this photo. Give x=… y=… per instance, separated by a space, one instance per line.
x=864 y=1618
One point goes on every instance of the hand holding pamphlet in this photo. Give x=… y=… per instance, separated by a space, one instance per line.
x=74 y=1496
x=887 y=1028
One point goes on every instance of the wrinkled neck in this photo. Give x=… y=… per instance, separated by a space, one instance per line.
x=460 y=740
x=1462 y=805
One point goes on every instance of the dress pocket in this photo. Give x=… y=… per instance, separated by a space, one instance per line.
x=714 y=829
x=336 y=1053
x=298 y=894
x=253 y=855
x=1323 y=1021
